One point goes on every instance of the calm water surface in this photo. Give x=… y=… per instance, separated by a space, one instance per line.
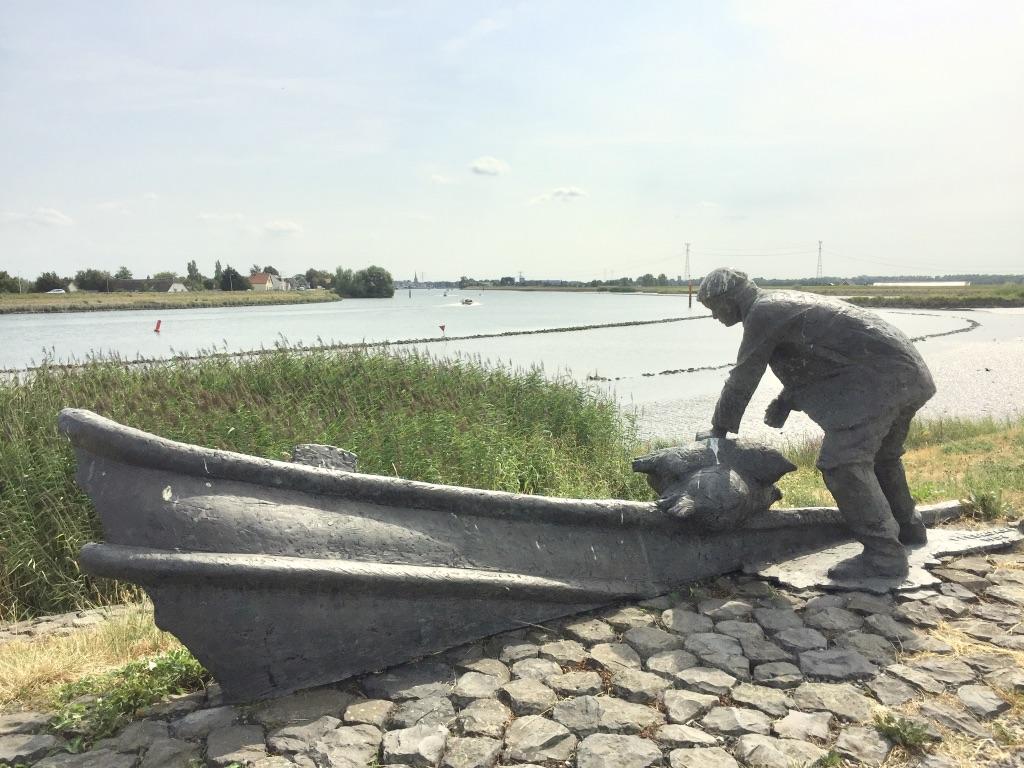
x=623 y=355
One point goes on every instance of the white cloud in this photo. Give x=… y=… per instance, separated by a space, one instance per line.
x=220 y=218
x=282 y=228
x=489 y=166
x=441 y=179
x=563 y=194
x=40 y=217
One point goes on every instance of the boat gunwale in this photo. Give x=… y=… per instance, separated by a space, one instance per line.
x=160 y=567
x=104 y=437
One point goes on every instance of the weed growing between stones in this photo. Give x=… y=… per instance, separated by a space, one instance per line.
x=985 y=505
x=97 y=707
x=832 y=759
x=910 y=735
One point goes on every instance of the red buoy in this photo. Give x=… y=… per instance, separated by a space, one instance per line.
x=157 y=329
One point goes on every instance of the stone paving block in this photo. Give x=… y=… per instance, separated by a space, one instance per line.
x=841 y=699
x=778 y=674
x=683 y=706
x=575 y=683
x=472 y=752
x=721 y=609
x=565 y=653
x=612 y=656
x=706 y=680
x=740 y=630
x=370 y=711
x=778 y=619
x=431 y=710
x=484 y=717
x=25 y=747
x=535 y=739
x=757 y=751
x=170 y=753
x=591 y=632
x=800 y=640
x=535 y=668
x=671 y=662
x=486 y=666
x=628 y=617
x=771 y=701
x=235 y=744
x=23 y=722
x=686 y=622
x=527 y=696
x=736 y=721
x=702 y=757
x=198 y=724
x=639 y=687
x=836 y=664
x=677 y=736
x=584 y=715
x=420 y=746
x=804 y=726
x=864 y=745
x=411 y=681
x=602 y=750
x=981 y=701
x=891 y=691
x=834 y=620
x=648 y=641
x=296 y=738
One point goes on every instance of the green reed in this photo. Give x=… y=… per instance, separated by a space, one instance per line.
x=461 y=422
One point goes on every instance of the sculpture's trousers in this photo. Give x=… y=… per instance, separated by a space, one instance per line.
x=873 y=496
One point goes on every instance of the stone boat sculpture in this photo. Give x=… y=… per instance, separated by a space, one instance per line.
x=280 y=576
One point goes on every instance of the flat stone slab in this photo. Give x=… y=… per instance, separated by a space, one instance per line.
x=811 y=571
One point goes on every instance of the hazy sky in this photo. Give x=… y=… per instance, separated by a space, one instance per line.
x=559 y=139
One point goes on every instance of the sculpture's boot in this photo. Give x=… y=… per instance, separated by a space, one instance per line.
x=893 y=481
x=866 y=513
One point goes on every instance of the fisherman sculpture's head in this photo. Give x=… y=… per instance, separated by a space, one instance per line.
x=727 y=293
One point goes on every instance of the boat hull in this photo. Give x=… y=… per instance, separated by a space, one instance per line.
x=279 y=576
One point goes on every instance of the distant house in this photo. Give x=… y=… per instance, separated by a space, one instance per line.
x=157 y=286
x=264 y=281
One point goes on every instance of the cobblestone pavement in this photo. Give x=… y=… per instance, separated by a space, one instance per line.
x=735 y=672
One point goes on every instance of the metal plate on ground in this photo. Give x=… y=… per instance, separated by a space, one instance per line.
x=811 y=571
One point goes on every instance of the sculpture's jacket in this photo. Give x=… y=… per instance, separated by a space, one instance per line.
x=840 y=364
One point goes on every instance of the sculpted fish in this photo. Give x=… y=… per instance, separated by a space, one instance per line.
x=715 y=484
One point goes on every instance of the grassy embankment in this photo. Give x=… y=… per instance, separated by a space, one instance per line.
x=87 y=301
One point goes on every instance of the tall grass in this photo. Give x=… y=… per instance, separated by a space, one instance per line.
x=459 y=422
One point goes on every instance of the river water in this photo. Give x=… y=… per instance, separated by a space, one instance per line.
x=629 y=361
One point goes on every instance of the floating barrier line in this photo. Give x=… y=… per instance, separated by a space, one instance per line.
x=362 y=344
x=971 y=325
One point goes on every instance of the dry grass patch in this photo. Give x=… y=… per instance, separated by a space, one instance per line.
x=981 y=461
x=32 y=670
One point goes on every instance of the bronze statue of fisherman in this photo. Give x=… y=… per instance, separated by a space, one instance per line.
x=859 y=378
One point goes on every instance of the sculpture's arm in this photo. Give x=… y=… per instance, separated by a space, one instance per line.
x=751 y=363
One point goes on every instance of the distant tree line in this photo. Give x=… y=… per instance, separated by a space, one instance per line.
x=372 y=282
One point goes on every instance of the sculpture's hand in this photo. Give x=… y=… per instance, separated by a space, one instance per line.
x=777 y=412
x=710 y=433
